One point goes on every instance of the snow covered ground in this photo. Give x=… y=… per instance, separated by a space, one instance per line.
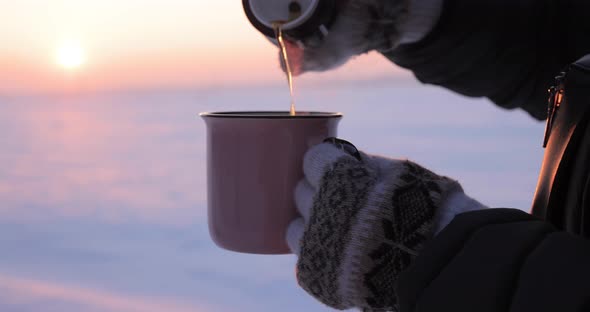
x=103 y=203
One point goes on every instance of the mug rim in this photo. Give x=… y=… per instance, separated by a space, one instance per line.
x=271 y=114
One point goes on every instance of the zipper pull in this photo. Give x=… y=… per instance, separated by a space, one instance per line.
x=556 y=94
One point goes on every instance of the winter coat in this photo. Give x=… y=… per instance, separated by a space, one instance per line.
x=501 y=259
x=506 y=50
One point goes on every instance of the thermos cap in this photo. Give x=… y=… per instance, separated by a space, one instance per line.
x=267 y=12
x=303 y=18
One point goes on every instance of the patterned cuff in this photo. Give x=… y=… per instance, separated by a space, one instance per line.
x=456 y=203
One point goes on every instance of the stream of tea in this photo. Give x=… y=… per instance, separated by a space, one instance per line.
x=278 y=28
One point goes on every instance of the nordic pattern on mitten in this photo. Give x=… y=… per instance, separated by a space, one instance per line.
x=328 y=232
x=355 y=246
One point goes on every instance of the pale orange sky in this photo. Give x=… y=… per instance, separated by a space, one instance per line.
x=141 y=43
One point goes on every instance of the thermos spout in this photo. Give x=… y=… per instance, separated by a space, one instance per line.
x=299 y=18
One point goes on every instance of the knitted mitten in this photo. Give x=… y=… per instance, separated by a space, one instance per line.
x=364 y=219
x=361 y=26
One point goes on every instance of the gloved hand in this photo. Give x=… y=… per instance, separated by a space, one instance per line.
x=361 y=26
x=364 y=219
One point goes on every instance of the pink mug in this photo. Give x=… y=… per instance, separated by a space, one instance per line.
x=254 y=161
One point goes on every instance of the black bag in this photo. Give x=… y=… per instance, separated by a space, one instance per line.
x=563 y=191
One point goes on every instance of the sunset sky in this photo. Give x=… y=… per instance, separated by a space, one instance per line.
x=103 y=202
x=137 y=44
x=103 y=189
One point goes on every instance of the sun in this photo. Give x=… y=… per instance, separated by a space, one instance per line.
x=70 y=55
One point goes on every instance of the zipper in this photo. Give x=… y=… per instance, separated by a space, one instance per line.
x=556 y=95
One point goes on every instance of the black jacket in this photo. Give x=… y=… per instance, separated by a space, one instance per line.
x=500 y=259
x=506 y=50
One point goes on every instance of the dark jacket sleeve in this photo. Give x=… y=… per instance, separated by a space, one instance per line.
x=506 y=50
x=499 y=260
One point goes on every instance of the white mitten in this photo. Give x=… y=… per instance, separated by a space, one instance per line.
x=361 y=26
x=364 y=219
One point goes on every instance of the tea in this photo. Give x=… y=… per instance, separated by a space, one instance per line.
x=278 y=27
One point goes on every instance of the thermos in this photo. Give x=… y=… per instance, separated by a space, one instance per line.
x=300 y=18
